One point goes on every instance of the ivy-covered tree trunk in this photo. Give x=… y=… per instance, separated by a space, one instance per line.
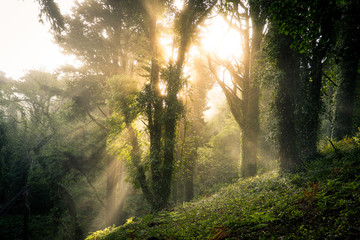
x=313 y=43
x=349 y=65
x=155 y=109
x=288 y=64
x=345 y=95
x=308 y=127
x=162 y=112
x=186 y=153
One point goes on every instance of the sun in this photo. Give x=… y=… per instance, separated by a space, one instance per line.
x=219 y=39
x=220 y=42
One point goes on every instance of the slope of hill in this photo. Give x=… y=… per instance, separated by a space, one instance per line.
x=320 y=202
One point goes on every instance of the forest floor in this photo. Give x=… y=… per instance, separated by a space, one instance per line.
x=320 y=202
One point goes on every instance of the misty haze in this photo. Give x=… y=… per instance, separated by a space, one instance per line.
x=179 y=119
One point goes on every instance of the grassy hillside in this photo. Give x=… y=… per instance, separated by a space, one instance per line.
x=321 y=202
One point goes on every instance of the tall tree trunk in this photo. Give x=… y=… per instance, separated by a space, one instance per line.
x=186 y=155
x=163 y=112
x=285 y=103
x=345 y=95
x=311 y=108
x=349 y=65
x=155 y=109
x=136 y=154
x=251 y=97
x=245 y=109
x=248 y=153
x=249 y=157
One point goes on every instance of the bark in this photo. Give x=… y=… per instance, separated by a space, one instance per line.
x=136 y=157
x=155 y=109
x=285 y=103
x=248 y=163
x=251 y=94
x=344 y=109
x=311 y=108
x=163 y=112
x=349 y=65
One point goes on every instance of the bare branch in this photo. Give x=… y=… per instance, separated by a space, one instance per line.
x=105 y=115
x=243 y=6
x=231 y=24
x=237 y=78
x=97 y=122
x=93 y=187
x=235 y=103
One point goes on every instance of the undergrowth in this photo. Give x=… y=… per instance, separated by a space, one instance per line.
x=320 y=202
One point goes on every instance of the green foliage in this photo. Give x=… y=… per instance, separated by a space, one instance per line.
x=42 y=150
x=41 y=227
x=189 y=19
x=302 y=21
x=356 y=118
x=123 y=97
x=329 y=88
x=87 y=93
x=339 y=159
x=50 y=9
x=218 y=161
x=321 y=202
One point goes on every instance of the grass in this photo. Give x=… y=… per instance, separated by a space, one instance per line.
x=321 y=202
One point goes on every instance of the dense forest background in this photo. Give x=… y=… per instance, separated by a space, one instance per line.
x=129 y=132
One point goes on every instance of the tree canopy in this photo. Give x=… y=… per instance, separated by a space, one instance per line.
x=131 y=131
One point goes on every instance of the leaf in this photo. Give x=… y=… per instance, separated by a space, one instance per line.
x=307 y=193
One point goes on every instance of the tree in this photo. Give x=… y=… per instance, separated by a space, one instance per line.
x=313 y=40
x=287 y=62
x=32 y=109
x=162 y=112
x=243 y=97
x=116 y=21
x=104 y=36
x=50 y=9
x=348 y=57
x=191 y=130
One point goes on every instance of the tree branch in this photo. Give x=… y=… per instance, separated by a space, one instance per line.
x=234 y=102
x=93 y=187
x=105 y=115
x=97 y=123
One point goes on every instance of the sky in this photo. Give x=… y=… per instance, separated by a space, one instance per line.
x=25 y=43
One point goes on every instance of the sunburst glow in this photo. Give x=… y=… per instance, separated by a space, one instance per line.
x=221 y=40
